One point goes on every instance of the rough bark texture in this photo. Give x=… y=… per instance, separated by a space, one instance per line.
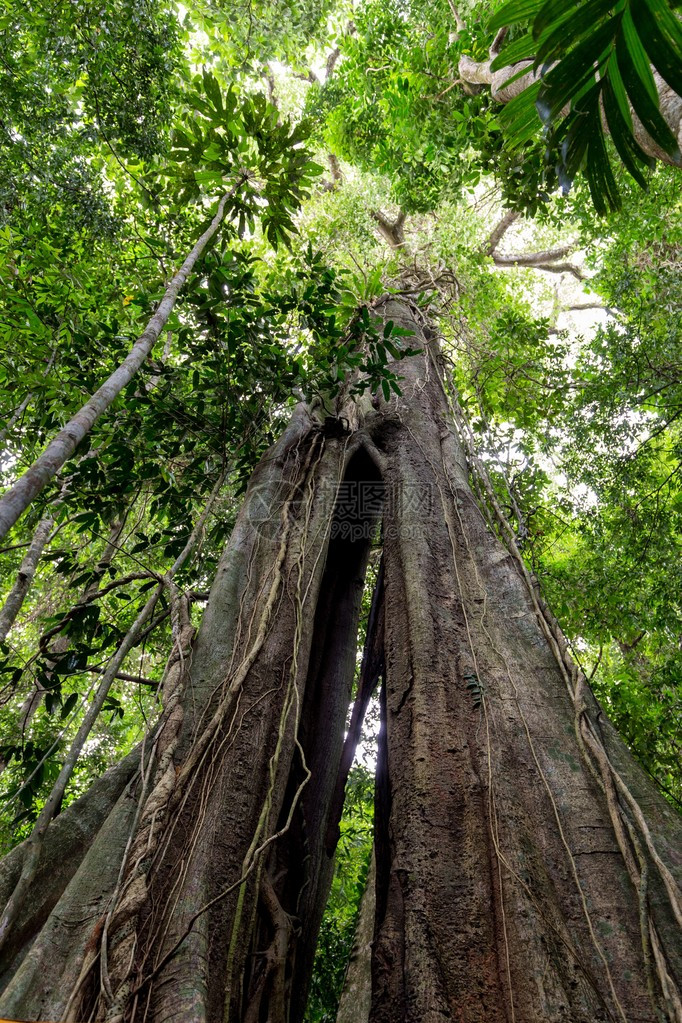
x=503 y=890
x=249 y=781
x=28 y=992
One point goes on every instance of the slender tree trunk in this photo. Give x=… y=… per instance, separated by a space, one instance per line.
x=61 y=447
x=27 y=570
x=35 y=842
x=356 y=998
x=517 y=876
x=32 y=701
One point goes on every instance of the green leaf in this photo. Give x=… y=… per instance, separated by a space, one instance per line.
x=579 y=26
x=598 y=169
x=629 y=39
x=575 y=71
x=520 y=117
x=520 y=49
x=661 y=36
x=621 y=134
x=616 y=84
x=551 y=12
x=638 y=91
x=213 y=91
x=513 y=12
x=68 y=705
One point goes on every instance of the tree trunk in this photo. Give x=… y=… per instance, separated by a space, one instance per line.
x=17 y=499
x=32 y=701
x=516 y=876
x=356 y=997
x=27 y=570
x=514 y=880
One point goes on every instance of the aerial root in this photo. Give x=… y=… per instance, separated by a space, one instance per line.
x=272 y=969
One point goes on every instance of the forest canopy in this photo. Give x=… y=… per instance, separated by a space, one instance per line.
x=205 y=203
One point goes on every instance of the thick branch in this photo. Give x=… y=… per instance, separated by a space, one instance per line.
x=540 y=261
x=536 y=258
x=579 y=306
x=496 y=44
x=498 y=233
x=670 y=104
x=392 y=233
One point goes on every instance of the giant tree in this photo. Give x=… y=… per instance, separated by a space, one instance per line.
x=526 y=865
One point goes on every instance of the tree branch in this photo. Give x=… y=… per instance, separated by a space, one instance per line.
x=498 y=233
x=531 y=259
x=27 y=570
x=583 y=305
x=331 y=62
x=536 y=258
x=455 y=14
x=139 y=679
x=337 y=173
x=496 y=44
x=392 y=233
x=670 y=104
x=307 y=76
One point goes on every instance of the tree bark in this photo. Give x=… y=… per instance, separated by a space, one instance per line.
x=504 y=887
x=670 y=104
x=525 y=864
x=27 y=570
x=67 y=843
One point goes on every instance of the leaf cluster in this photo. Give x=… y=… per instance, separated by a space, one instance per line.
x=595 y=60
